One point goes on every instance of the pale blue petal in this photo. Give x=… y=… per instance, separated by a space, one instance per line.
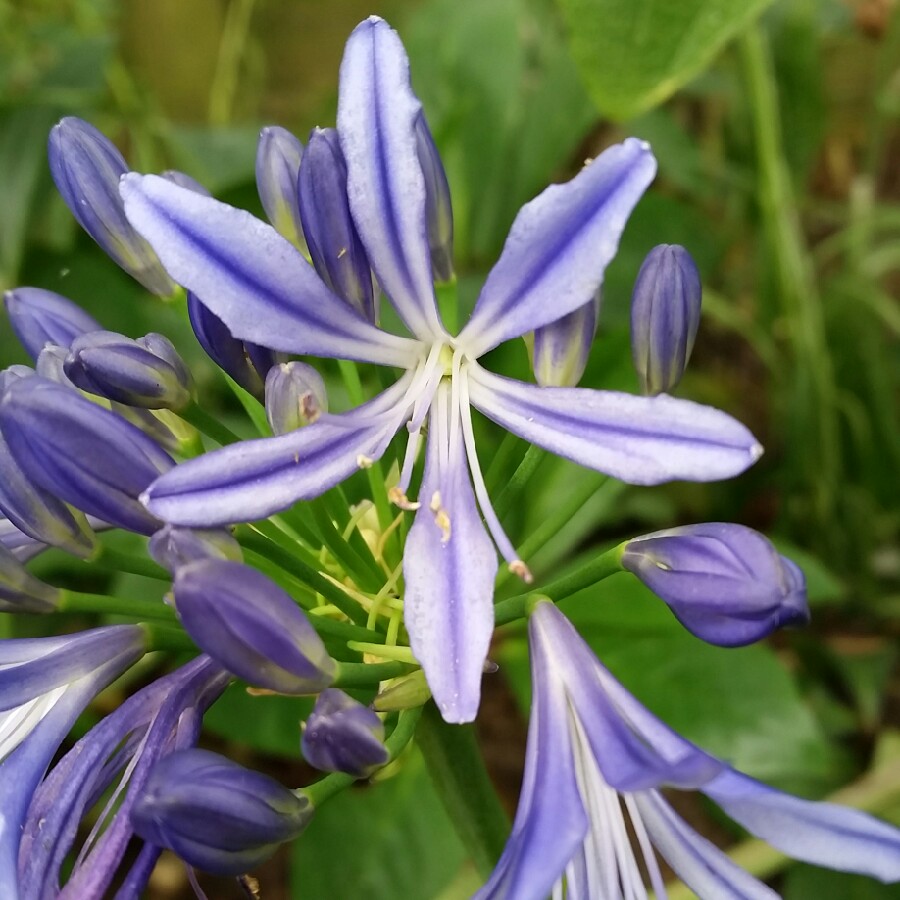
x=641 y=440
x=251 y=277
x=253 y=479
x=824 y=834
x=702 y=866
x=551 y=822
x=377 y=113
x=559 y=246
x=449 y=566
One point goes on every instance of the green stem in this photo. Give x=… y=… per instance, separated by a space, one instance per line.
x=603 y=566
x=509 y=447
x=208 y=424
x=457 y=770
x=365 y=674
x=228 y=64
x=76 y=601
x=534 y=456
x=116 y=561
x=167 y=637
x=290 y=561
x=400 y=737
x=366 y=575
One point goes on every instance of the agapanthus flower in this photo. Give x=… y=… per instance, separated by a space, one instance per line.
x=45 y=683
x=553 y=263
x=596 y=761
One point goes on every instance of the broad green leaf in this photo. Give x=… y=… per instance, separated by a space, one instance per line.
x=633 y=54
x=381 y=841
x=740 y=704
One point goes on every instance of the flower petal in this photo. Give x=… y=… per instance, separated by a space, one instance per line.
x=551 y=822
x=641 y=440
x=559 y=246
x=449 y=566
x=702 y=866
x=824 y=834
x=377 y=113
x=253 y=479
x=251 y=277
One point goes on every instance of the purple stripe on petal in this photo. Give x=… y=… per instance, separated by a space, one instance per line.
x=559 y=246
x=251 y=277
x=253 y=479
x=641 y=440
x=824 y=834
x=449 y=566
x=377 y=113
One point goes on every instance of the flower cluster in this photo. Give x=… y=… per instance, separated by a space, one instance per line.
x=272 y=579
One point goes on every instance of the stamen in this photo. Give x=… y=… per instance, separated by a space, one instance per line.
x=504 y=544
x=364 y=462
x=647 y=851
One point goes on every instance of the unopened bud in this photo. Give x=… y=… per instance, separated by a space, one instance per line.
x=342 y=735
x=278 y=156
x=249 y=625
x=215 y=814
x=174 y=546
x=20 y=591
x=561 y=349
x=665 y=315
x=295 y=396
x=147 y=372
x=334 y=245
x=86 y=167
x=438 y=208
x=726 y=583
x=40 y=317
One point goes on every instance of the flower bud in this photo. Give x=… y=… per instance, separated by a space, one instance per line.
x=174 y=546
x=147 y=372
x=20 y=591
x=334 y=246
x=438 y=208
x=249 y=625
x=278 y=156
x=665 y=315
x=725 y=583
x=185 y=181
x=247 y=364
x=561 y=349
x=215 y=814
x=342 y=735
x=82 y=453
x=86 y=168
x=51 y=364
x=40 y=317
x=295 y=396
x=13 y=373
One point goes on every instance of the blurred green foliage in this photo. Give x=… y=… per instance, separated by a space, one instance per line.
x=778 y=170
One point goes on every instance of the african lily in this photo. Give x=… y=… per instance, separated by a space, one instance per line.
x=552 y=264
x=596 y=760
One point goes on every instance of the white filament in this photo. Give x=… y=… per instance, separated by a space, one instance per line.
x=17 y=723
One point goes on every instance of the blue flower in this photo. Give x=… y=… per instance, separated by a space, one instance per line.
x=552 y=264
x=45 y=683
x=596 y=760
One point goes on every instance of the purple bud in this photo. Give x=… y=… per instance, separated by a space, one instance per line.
x=438 y=208
x=82 y=453
x=21 y=545
x=249 y=625
x=185 y=181
x=561 y=349
x=40 y=317
x=295 y=396
x=215 y=814
x=334 y=246
x=665 y=315
x=147 y=372
x=174 y=546
x=86 y=167
x=725 y=583
x=20 y=591
x=342 y=735
x=247 y=364
x=278 y=156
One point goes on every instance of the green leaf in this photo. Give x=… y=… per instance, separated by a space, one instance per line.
x=739 y=704
x=633 y=54
x=809 y=883
x=397 y=838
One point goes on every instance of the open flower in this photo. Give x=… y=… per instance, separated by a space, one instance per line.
x=552 y=264
x=596 y=759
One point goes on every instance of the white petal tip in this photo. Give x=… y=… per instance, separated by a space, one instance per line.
x=756 y=451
